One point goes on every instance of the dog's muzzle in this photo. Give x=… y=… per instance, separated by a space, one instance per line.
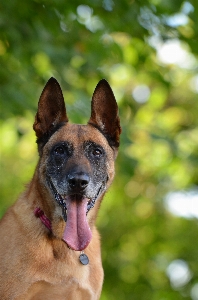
x=75 y=208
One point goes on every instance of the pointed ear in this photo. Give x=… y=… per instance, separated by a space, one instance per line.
x=51 y=112
x=104 y=113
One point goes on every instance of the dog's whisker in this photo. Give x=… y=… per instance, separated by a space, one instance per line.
x=59 y=199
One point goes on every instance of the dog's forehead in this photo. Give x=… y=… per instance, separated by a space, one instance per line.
x=77 y=134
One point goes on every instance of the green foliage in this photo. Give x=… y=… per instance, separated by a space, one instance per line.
x=122 y=41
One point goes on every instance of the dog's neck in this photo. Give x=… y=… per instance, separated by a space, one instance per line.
x=83 y=258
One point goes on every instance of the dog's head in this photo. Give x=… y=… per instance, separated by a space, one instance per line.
x=77 y=161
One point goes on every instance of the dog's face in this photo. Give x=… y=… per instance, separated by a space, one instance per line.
x=77 y=161
x=81 y=166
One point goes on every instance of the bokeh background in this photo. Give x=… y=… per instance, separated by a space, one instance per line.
x=148 y=51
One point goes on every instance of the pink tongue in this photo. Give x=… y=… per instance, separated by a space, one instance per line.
x=77 y=233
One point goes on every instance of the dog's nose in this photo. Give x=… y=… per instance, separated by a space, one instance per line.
x=78 y=181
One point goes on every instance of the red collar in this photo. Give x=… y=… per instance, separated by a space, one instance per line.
x=40 y=214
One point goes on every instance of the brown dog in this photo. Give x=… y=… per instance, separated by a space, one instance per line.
x=49 y=246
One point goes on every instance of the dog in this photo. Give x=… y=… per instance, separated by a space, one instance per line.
x=49 y=245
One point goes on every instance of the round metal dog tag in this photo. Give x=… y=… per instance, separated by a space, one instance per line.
x=84 y=259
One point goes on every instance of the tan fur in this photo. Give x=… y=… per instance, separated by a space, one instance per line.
x=36 y=264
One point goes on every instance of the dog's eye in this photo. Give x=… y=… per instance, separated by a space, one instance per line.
x=59 y=150
x=97 y=153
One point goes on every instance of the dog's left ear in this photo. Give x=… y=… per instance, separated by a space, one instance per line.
x=51 y=114
x=104 y=113
x=51 y=109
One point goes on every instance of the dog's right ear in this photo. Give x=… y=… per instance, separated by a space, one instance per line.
x=51 y=112
x=104 y=113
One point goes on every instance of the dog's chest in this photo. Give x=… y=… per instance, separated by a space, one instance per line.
x=66 y=280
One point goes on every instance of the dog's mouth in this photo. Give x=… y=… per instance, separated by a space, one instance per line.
x=62 y=200
x=77 y=233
